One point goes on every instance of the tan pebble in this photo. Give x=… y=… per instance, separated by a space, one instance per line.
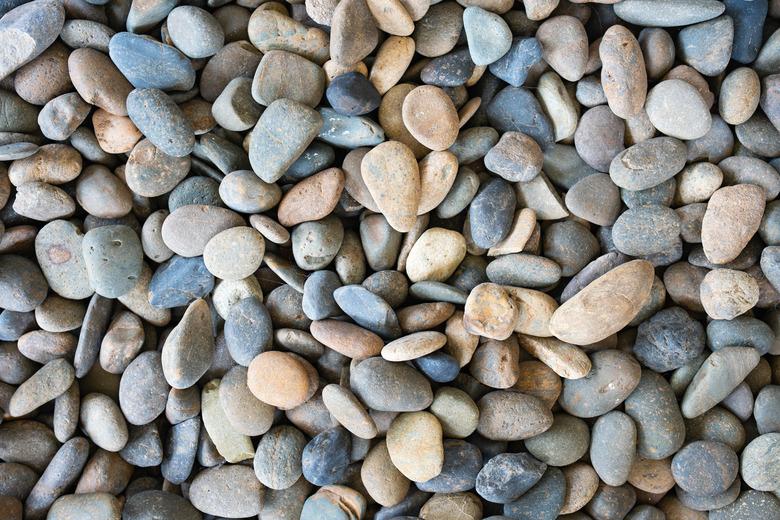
x=652 y=476
x=413 y=346
x=535 y=310
x=430 y=116
x=415 y=445
x=345 y=407
x=522 y=227
x=568 y=361
x=270 y=229
x=582 y=482
x=732 y=218
x=437 y=173
x=457 y=412
x=235 y=253
x=313 y=198
x=424 y=316
x=391 y=61
x=467 y=111
x=390 y=116
x=540 y=195
x=198 y=113
x=439 y=29
x=604 y=306
x=495 y=363
x=43 y=202
x=559 y=105
x=490 y=312
x=727 y=293
x=98 y=81
x=410 y=238
x=623 y=73
x=435 y=255
x=416 y=8
x=461 y=344
x=347 y=338
x=382 y=480
x=739 y=95
x=52 y=163
x=675 y=510
x=564 y=46
x=333 y=68
x=516 y=157
x=537 y=379
x=282 y=379
x=507 y=415
x=392 y=176
x=103 y=194
x=353 y=178
x=452 y=506
x=115 y=134
x=391 y=17
x=188 y=229
x=273 y=30
x=232 y=445
x=137 y=300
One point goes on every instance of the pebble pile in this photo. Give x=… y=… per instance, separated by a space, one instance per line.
x=390 y=259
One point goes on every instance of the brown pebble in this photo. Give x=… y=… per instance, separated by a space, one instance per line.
x=392 y=176
x=281 y=379
x=431 y=117
x=732 y=218
x=623 y=72
x=347 y=338
x=313 y=198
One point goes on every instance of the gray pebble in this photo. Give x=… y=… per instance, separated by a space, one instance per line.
x=113 y=257
x=248 y=330
x=179 y=281
x=161 y=121
x=148 y=63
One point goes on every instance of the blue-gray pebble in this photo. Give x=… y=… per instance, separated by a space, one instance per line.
x=505 y=477
x=513 y=67
x=742 y=331
x=516 y=109
x=148 y=63
x=326 y=457
x=368 y=310
x=180 y=281
x=248 y=330
x=161 y=121
x=491 y=213
x=114 y=259
x=669 y=340
x=462 y=462
x=543 y=501
x=352 y=94
x=318 y=301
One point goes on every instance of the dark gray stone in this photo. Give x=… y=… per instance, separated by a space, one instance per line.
x=491 y=213
x=22 y=285
x=13 y=324
x=543 y=501
x=143 y=390
x=318 y=300
x=195 y=190
x=646 y=230
x=669 y=340
x=571 y=245
x=749 y=17
x=326 y=457
x=368 y=310
x=449 y=70
x=766 y=409
x=462 y=462
x=438 y=367
x=181 y=447
x=154 y=503
x=161 y=121
x=352 y=94
x=390 y=387
x=513 y=67
x=278 y=457
x=315 y=158
x=505 y=477
x=705 y=467
x=516 y=109
x=93 y=328
x=524 y=270
x=659 y=423
x=144 y=446
x=660 y=195
x=391 y=286
x=179 y=281
x=742 y=331
x=612 y=501
x=707 y=46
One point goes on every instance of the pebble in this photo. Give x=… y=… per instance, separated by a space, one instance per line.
x=415 y=446
x=727 y=293
x=613 y=447
x=599 y=137
x=27 y=30
x=669 y=340
x=515 y=65
x=281 y=379
x=279 y=70
x=430 y=116
x=714 y=459
x=185 y=21
x=587 y=397
x=669 y=14
x=516 y=157
x=641 y=166
x=677 y=109
x=271 y=30
x=352 y=94
x=391 y=175
x=189 y=348
x=113 y=258
x=623 y=72
x=148 y=63
x=390 y=387
x=58 y=248
x=228 y=490
x=506 y=415
x=277 y=462
x=145 y=107
x=564 y=443
x=507 y=476
x=660 y=426
x=491 y=213
x=325 y=458
x=516 y=109
x=543 y=501
x=188 y=229
x=564 y=46
x=646 y=230
x=102 y=421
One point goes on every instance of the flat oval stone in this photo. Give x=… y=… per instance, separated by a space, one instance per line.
x=391 y=387
x=315 y=244
x=751 y=170
x=613 y=447
x=228 y=490
x=414 y=442
x=749 y=504
x=564 y=443
x=281 y=379
x=758 y=471
x=714 y=459
x=491 y=213
x=392 y=176
x=348 y=411
x=488 y=35
x=599 y=137
x=382 y=480
x=189 y=348
x=669 y=340
x=43 y=202
x=732 y=218
x=593 y=314
x=648 y=163
x=506 y=415
x=277 y=461
x=151 y=172
x=103 y=422
x=325 y=458
x=143 y=390
x=431 y=117
x=161 y=121
x=435 y=255
x=516 y=157
x=113 y=258
x=623 y=72
x=677 y=109
x=660 y=426
x=349 y=131
x=352 y=94
x=595 y=198
x=717 y=377
x=347 y=339
x=313 y=198
x=668 y=13
x=438 y=171
x=188 y=229
x=48 y=383
x=524 y=270
x=235 y=253
x=564 y=45
x=270 y=157
x=58 y=247
x=646 y=230
x=148 y=63
x=248 y=330
x=413 y=346
x=451 y=70
x=588 y=397
x=185 y=22
x=507 y=476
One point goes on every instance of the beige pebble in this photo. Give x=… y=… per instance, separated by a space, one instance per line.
x=391 y=61
x=235 y=253
x=313 y=198
x=415 y=445
x=392 y=176
x=345 y=407
x=437 y=173
x=435 y=255
x=431 y=117
x=522 y=227
x=568 y=361
x=490 y=312
x=413 y=346
x=727 y=293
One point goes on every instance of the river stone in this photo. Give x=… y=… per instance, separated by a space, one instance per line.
x=151 y=172
x=677 y=109
x=516 y=157
x=391 y=174
x=564 y=443
x=46 y=384
x=570 y=245
x=349 y=411
x=144 y=447
x=750 y=504
x=515 y=65
x=765 y=409
x=60 y=117
x=491 y=213
x=720 y=374
x=456 y=411
x=592 y=314
x=543 y=501
x=188 y=229
x=732 y=218
x=247 y=330
x=27 y=30
x=390 y=387
x=727 y=293
x=270 y=157
x=102 y=421
x=507 y=476
x=143 y=390
x=179 y=281
x=743 y=331
x=516 y=109
x=714 y=459
x=41 y=201
x=382 y=480
x=594 y=198
x=154 y=503
x=113 y=258
x=707 y=46
x=235 y=253
x=507 y=415
x=648 y=163
x=431 y=117
x=274 y=79
x=229 y=443
x=667 y=13
x=623 y=72
x=451 y=70
x=758 y=468
x=653 y=406
x=189 y=348
x=354 y=34
x=277 y=460
x=181 y=448
x=669 y=340
x=58 y=247
x=490 y=312
x=148 y=63
x=564 y=45
x=587 y=397
x=230 y=491
x=414 y=442
x=161 y=120
x=347 y=339
x=325 y=458
x=435 y=255
x=271 y=30
x=194 y=31
x=488 y=35
x=281 y=379
x=462 y=463
x=352 y=94
x=613 y=447
x=646 y=230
